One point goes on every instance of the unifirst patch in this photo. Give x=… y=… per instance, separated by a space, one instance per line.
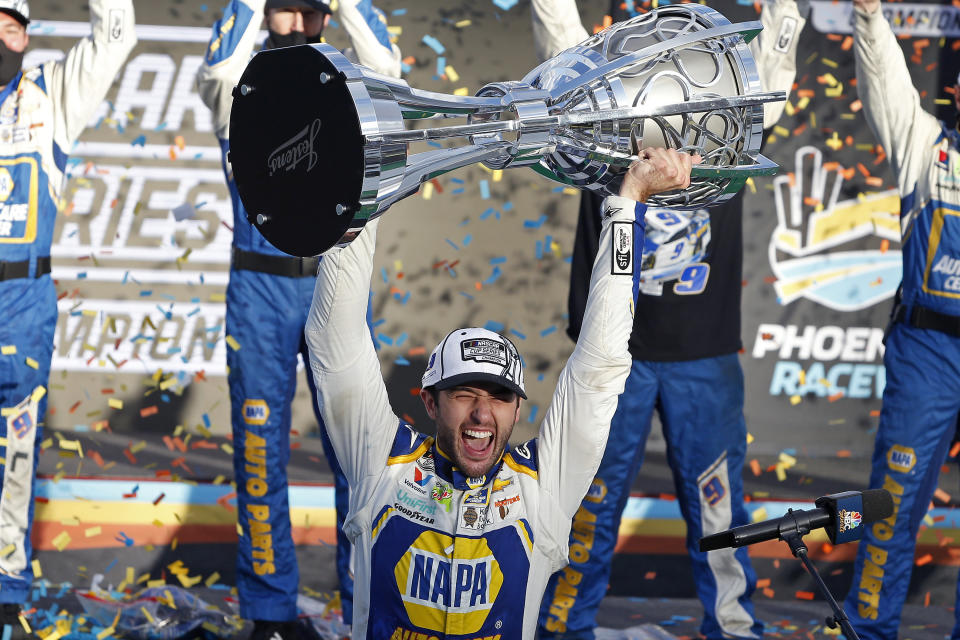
x=255 y=412
x=900 y=458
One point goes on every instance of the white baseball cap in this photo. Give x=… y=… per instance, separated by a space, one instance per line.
x=19 y=9
x=474 y=354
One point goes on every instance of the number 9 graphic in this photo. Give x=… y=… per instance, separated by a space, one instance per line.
x=693 y=279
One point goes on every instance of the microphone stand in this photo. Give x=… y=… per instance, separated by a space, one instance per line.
x=792 y=532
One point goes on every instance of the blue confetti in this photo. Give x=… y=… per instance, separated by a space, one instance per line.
x=450 y=242
x=489 y=212
x=458 y=191
x=401 y=361
x=401 y=339
x=506 y=5
x=484 y=189
x=518 y=334
x=377 y=323
x=405 y=68
x=493 y=276
x=206 y=420
x=146 y=293
x=457 y=181
x=441 y=65
x=498 y=260
x=383 y=274
x=434 y=44
x=139 y=141
x=434 y=144
x=467 y=239
x=493 y=325
x=533 y=413
x=507 y=206
x=398 y=12
x=535 y=224
x=384 y=338
x=466 y=295
x=548 y=331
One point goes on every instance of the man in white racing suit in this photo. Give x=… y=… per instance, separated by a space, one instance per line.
x=921 y=399
x=456 y=538
x=43 y=110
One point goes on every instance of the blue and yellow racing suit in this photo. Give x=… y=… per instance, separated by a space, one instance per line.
x=921 y=401
x=268 y=298
x=43 y=110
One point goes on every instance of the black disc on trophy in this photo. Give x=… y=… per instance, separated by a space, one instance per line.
x=296 y=149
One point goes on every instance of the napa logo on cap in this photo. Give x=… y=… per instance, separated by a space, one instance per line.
x=255 y=412
x=900 y=458
x=809 y=250
x=447 y=586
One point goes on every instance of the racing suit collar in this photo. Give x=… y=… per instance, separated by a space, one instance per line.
x=11 y=86
x=447 y=471
x=951 y=134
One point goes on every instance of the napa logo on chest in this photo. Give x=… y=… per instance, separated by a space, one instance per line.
x=255 y=412
x=447 y=584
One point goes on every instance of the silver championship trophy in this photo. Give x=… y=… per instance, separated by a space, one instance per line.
x=319 y=145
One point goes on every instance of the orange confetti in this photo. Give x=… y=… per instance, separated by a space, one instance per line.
x=874 y=181
x=650 y=575
x=811 y=201
x=95 y=455
x=875 y=413
x=836 y=396
x=408 y=419
x=836 y=37
x=806 y=93
x=607 y=21
x=763 y=582
x=955 y=449
x=831 y=166
x=180 y=142
x=847 y=43
x=804 y=595
x=410 y=60
x=767 y=591
x=800 y=129
x=417 y=351
x=926 y=599
x=173 y=153
x=826 y=547
x=856 y=105
x=941 y=495
x=843 y=453
x=755 y=467
x=884 y=245
x=863 y=170
x=149 y=411
x=924 y=559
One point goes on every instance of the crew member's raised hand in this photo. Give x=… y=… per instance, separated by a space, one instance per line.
x=867 y=6
x=656 y=171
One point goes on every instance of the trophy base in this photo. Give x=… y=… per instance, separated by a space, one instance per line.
x=300 y=172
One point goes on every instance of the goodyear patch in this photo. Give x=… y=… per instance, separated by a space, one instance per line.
x=255 y=412
x=900 y=458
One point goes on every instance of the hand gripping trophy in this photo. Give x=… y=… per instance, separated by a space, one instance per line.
x=315 y=162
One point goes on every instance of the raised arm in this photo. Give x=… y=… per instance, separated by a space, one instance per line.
x=79 y=83
x=775 y=51
x=231 y=45
x=366 y=26
x=574 y=431
x=556 y=26
x=350 y=389
x=890 y=102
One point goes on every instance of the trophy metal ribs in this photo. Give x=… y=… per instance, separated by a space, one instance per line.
x=320 y=146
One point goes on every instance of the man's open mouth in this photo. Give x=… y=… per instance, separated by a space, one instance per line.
x=477 y=443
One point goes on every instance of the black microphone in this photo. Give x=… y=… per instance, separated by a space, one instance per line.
x=844 y=515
